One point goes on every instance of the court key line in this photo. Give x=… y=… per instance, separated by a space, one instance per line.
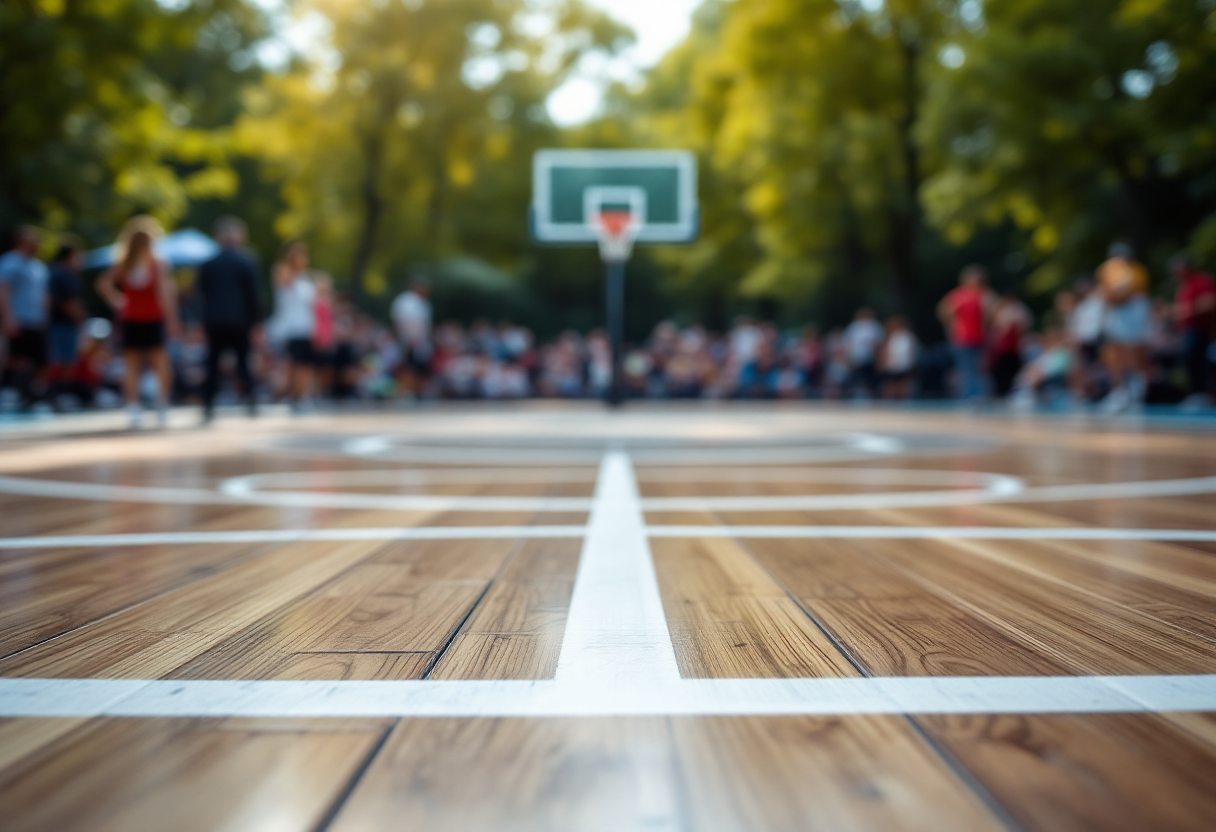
x=617 y=659
x=1000 y=489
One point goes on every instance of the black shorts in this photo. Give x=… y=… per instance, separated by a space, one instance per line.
x=300 y=351
x=29 y=345
x=143 y=335
x=417 y=361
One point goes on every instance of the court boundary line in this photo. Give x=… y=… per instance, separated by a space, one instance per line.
x=607 y=697
x=422 y=533
x=621 y=660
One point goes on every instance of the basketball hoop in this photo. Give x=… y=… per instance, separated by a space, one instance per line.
x=616 y=232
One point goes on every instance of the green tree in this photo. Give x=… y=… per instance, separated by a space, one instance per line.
x=409 y=137
x=1079 y=122
x=112 y=107
x=814 y=107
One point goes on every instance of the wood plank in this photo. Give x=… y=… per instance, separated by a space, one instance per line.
x=1185 y=602
x=729 y=619
x=20 y=738
x=525 y=775
x=51 y=592
x=1091 y=634
x=516 y=631
x=837 y=773
x=129 y=774
x=1067 y=772
x=890 y=624
x=403 y=606
x=153 y=639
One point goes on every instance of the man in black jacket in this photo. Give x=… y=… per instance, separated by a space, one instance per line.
x=228 y=290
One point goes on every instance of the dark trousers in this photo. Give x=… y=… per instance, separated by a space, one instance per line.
x=1195 y=353
x=1005 y=369
x=220 y=340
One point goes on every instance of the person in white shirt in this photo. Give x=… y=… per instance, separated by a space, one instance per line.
x=411 y=313
x=863 y=337
x=898 y=361
x=1084 y=324
x=295 y=319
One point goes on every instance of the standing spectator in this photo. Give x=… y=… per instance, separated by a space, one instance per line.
x=898 y=359
x=228 y=288
x=1085 y=323
x=140 y=289
x=324 y=337
x=411 y=315
x=23 y=313
x=1011 y=320
x=863 y=338
x=295 y=311
x=1124 y=285
x=66 y=316
x=1195 y=312
x=965 y=312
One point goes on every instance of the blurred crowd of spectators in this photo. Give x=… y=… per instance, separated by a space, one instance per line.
x=1106 y=340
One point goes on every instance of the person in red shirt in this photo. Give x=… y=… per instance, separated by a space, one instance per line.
x=964 y=312
x=1011 y=321
x=140 y=289
x=1195 y=312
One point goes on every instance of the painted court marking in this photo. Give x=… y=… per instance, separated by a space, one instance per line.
x=550 y=532
x=616 y=629
x=601 y=697
x=617 y=657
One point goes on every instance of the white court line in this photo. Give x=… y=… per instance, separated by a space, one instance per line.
x=617 y=656
x=616 y=628
x=1000 y=489
x=606 y=697
x=935 y=533
x=294 y=536
x=244 y=494
x=547 y=532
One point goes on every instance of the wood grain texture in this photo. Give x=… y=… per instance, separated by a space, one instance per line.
x=386 y=618
x=152 y=639
x=838 y=773
x=520 y=775
x=135 y=775
x=516 y=630
x=729 y=619
x=1083 y=631
x=890 y=624
x=1066 y=772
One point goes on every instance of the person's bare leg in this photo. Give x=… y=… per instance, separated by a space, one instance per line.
x=130 y=385
x=159 y=359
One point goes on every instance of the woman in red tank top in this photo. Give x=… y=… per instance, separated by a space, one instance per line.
x=140 y=289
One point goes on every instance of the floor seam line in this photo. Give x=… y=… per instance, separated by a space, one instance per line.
x=964 y=776
x=343 y=797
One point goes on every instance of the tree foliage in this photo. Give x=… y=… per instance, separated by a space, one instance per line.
x=851 y=150
x=409 y=138
x=111 y=107
x=1080 y=122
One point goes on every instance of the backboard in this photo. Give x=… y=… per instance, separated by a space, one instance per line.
x=571 y=187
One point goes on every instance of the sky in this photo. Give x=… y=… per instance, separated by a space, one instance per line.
x=659 y=25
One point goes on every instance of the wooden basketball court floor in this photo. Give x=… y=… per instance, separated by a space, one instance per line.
x=552 y=618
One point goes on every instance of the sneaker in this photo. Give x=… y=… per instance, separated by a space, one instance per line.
x=135 y=417
x=1117 y=401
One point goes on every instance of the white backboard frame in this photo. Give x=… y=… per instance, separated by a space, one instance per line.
x=683 y=230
